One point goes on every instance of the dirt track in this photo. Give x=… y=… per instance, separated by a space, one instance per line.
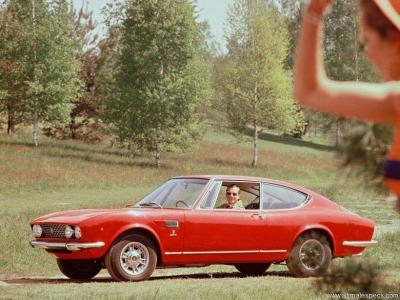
x=103 y=279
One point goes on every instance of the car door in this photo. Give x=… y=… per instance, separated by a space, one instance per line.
x=222 y=235
x=281 y=207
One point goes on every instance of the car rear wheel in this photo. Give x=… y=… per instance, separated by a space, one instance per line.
x=79 y=269
x=310 y=256
x=252 y=269
x=133 y=258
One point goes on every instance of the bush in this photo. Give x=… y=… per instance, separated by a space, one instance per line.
x=353 y=276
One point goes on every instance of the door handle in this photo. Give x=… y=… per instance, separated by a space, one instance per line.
x=259 y=216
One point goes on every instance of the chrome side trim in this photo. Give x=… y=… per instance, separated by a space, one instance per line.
x=357 y=255
x=224 y=252
x=272 y=251
x=360 y=243
x=66 y=246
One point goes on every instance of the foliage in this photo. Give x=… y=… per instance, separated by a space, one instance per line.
x=364 y=147
x=94 y=54
x=354 y=276
x=161 y=77
x=291 y=11
x=256 y=90
x=47 y=72
x=12 y=67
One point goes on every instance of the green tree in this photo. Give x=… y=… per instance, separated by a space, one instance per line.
x=47 y=69
x=257 y=89
x=54 y=81
x=363 y=145
x=161 y=76
x=13 y=70
x=85 y=117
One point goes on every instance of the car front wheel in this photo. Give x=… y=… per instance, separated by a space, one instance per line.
x=133 y=258
x=310 y=256
x=79 y=269
x=252 y=269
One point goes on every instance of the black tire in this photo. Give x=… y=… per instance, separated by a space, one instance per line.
x=254 y=269
x=133 y=258
x=79 y=269
x=310 y=255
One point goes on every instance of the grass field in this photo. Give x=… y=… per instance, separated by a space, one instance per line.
x=70 y=175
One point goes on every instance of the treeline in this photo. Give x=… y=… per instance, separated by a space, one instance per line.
x=155 y=78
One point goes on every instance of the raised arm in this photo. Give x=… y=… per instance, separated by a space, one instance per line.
x=364 y=101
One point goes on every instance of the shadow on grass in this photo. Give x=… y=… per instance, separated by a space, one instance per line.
x=62 y=146
x=87 y=154
x=224 y=162
x=89 y=158
x=290 y=141
x=216 y=275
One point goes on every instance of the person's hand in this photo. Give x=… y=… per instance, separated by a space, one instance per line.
x=318 y=7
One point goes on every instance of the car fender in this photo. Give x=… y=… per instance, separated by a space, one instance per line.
x=129 y=227
x=310 y=227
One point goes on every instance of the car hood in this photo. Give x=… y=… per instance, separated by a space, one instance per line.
x=73 y=216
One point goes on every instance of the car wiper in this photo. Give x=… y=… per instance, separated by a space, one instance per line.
x=150 y=204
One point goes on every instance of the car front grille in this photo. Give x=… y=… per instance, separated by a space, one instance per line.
x=55 y=231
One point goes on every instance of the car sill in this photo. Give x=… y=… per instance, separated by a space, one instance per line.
x=224 y=252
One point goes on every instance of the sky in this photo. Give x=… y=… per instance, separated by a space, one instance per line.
x=213 y=11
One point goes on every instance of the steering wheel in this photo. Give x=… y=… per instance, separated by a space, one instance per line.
x=182 y=202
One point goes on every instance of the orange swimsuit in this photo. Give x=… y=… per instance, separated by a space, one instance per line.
x=391 y=166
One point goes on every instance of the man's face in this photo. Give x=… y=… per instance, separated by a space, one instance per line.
x=232 y=195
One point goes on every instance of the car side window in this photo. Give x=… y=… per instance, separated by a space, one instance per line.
x=212 y=193
x=249 y=196
x=280 y=197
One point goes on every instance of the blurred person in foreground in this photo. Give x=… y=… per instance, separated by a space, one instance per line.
x=374 y=102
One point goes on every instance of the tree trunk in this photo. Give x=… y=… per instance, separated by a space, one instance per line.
x=158 y=132
x=337 y=133
x=255 y=137
x=255 y=149
x=35 y=114
x=10 y=122
x=158 y=146
x=72 y=127
x=130 y=148
x=35 y=129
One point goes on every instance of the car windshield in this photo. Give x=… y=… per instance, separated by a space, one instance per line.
x=181 y=193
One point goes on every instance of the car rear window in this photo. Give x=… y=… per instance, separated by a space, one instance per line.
x=280 y=197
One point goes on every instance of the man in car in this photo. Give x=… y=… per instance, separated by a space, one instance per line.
x=233 y=198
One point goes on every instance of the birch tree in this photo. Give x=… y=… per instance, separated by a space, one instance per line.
x=47 y=70
x=257 y=88
x=159 y=80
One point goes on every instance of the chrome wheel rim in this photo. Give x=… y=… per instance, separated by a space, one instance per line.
x=134 y=258
x=312 y=254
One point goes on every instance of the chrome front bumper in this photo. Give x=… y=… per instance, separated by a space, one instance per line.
x=66 y=246
x=360 y=243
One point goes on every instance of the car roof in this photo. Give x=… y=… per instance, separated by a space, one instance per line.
x=247 y=178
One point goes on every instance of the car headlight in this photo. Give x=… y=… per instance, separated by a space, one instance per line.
x=37 y=231
x=78 y=232
x=68 y=232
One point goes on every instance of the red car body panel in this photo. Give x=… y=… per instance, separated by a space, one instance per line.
x=207 y=236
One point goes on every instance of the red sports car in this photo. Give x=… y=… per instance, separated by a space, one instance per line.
x=247 y=222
